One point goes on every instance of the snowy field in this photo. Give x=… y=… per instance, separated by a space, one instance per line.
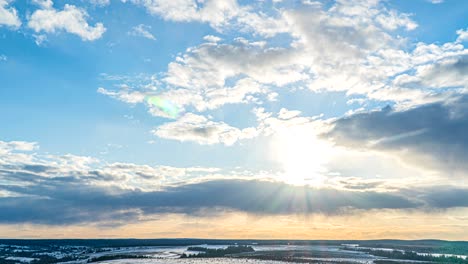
x=191 y=261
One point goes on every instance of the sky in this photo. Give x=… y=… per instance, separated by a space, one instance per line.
x=332 y=119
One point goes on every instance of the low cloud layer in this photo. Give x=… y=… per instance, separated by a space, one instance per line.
x=68 y=189
x=67 y=200
x=52 y=195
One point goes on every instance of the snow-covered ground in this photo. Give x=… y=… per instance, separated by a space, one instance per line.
x=440 y=255
x=191 y=261
x=21 y=259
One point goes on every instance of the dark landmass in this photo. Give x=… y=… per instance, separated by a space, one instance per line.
x=296 y=256
x=219 y=252
x=395 y=262
x=428 y=246
x=112 y=257
x=47 y=251
x=411 y=255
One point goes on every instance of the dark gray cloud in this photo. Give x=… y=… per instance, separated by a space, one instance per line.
x=62 y=200
x=446 y=197
x=437 y=130
x=359 y=185
x=71 y=199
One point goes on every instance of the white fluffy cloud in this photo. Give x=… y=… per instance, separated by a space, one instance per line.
x=200 y=129
x=131 y=97
x=220 y=15
x=343 y=42
x=100 y=2
x=7 y=147
x=211 y=64
x=211 y=38
x=198 y=97
x=448 y=72
x=21 y=157
x=349 y=46
x=71 y=19
x=462 y=35
x=142 y=31
x=8 y=15
x=355 y=47
x=212 y=75
x=214 y=12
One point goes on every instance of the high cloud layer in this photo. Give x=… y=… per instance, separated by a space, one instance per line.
x=358 y=48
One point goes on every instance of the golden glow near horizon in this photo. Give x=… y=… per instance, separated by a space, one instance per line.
x=381 y=224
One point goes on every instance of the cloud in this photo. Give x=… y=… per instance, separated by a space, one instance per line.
x=431 y=135
x=211 y=38
x=211 y=75
x=241 y=91
x=33 y=188
x=100 y=2
x=214 y=12
x=288 y=114
x=80 y=202
x=84 y=203
x=211 y=64
x=355 y=47
x=462 y=35
x=200 y=129
x=19 y=159
x=46 y=4
x=393 y=20
x=71 y=19
x=131 y=97
x=142 y=31
x=8 y=15
x=448 y=72
x=220 y=15
x=445 y=197
x=350 y=46
x=10 y=155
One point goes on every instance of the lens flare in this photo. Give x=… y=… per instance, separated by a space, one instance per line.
x=164 y=105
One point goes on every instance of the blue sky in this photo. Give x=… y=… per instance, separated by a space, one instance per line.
x=279 y=91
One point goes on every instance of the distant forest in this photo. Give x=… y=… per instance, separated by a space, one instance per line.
x=410 y=255
x=216 y=253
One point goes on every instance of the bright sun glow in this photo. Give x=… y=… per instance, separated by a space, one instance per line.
x=302 y=155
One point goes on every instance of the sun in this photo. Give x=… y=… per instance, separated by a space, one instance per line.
x=302 y=156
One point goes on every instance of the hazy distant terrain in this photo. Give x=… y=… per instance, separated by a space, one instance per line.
x=196 y=251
